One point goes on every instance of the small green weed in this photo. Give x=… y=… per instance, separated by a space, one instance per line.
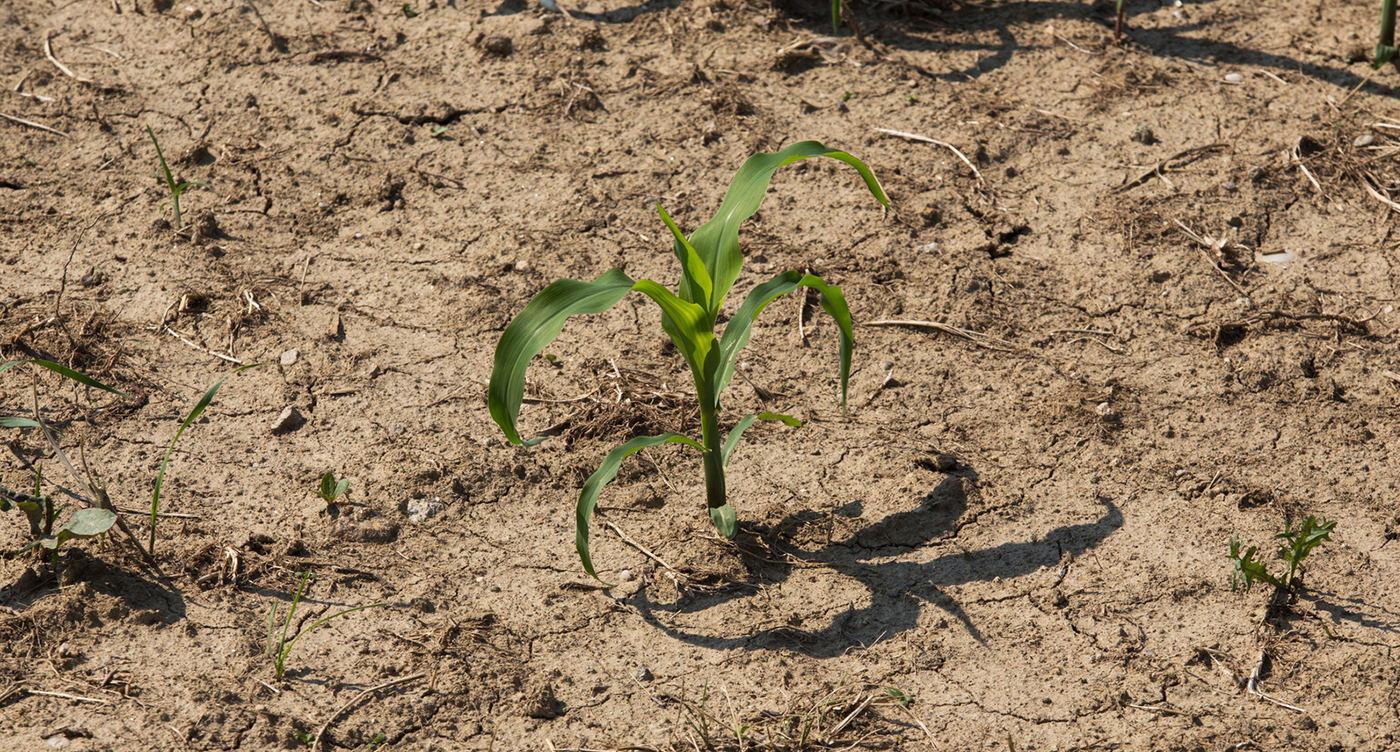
x=279 y=647
x=848 y=96
x=1295 y=549
x=195 y=413
x=378 y=739
x=408 y=11
x=175 y=190
x=711 y=262
x=438 y=132
x=331 y=490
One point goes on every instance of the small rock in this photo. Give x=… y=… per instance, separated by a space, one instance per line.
x=1256 y=173
x=498 y=45
x=945 y=462
x=643 y=674
x=624 y=576
x=1234 y=78
x=289 y=420
x=1104 y=410
x=1144 y=135
x=1365 y=139
x=289 y=357
x=192 y=13
x=422 y=510
x=1229 y=186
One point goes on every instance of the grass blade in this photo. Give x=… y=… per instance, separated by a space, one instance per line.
x=65 y=371
x=160 y=476
x=606 y=471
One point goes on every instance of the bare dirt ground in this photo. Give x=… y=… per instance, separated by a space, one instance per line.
x=1162 y=282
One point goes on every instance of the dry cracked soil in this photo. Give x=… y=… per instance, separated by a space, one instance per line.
x=1131 y=299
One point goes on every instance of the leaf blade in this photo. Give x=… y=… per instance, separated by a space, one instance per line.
x=607 y=470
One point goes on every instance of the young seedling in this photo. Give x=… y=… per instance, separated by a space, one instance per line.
x=711 y=262
x=1298 y=544
x=39 y=507
x=331 y=490
x=278 y=648
x=195 y=413
x=175 y=190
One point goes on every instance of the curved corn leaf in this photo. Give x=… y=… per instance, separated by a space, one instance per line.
x=9 y=422
x=543 y=318
x=740 y=327
x=717 y=241
x=732 y=440
x=588 y=498
x=61 y=370
x=537 y=326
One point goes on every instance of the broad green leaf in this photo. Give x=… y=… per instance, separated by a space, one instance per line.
x=726 y=521
x=606 y=471
x=740 y=327
x=717 y=241
x=195 y=413
x=64 y=371
x=544 y=317
x=537 y=326
x=89 y=523
x=732 y=440
x=695 y=280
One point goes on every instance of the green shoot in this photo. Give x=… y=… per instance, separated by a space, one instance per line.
x=331 y=490
x=175 y=190
x=898 y=696
x=195 y=413
x=438 y=132
x=281 y=648
x=408 y=11
x=711 y=262
x=1385 y=48
x=1298 y=544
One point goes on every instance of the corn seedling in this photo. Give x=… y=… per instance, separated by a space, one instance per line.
x=195 y=413
x=175 y=190
x=1296 y=547
x=711 y=262
x=331 y=490
x=279 y=647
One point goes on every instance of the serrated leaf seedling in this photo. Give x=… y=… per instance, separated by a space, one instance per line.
x=170 y=184
x=1296 y=546
x=711 y=262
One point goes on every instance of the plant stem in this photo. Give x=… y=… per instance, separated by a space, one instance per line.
x=714 y=461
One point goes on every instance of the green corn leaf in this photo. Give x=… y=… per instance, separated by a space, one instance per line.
x=835 y=14
x=606 y=471
x=544 y=317
x=9 y=422
x=64 y=371
x=1385 y=48
x=732 y=440
x=740 y=327
x=696 y=285
x=726 y=521
x=717 y=241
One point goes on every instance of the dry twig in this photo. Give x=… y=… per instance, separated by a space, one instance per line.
x=936 y=142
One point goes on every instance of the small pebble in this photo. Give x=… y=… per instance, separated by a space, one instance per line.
x=1365 y=139
x=421 y=510
x=1229 y=186
x=945 y=462
x=289 y=357
x=1144 y=135
x=624 y=576
x=1234 y=78
x=289 y=419
x=643 y=674
x=498 y=45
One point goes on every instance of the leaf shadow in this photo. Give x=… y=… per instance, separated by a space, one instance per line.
x=898 y=589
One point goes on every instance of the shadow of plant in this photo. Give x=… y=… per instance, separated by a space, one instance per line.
x=898 y=589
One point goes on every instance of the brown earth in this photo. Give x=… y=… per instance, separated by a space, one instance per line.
x=1021 y=530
